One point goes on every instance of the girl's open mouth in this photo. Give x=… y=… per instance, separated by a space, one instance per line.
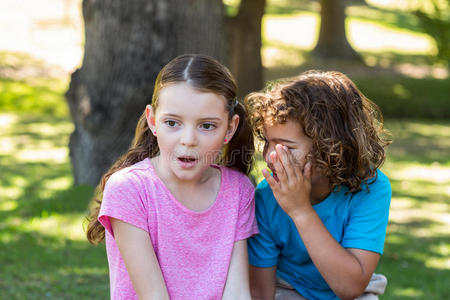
x=187 y=162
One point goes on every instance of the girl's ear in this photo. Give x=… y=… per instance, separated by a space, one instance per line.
x=150 y=116
x=232 y=126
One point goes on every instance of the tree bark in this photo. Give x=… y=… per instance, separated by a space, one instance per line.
x=333 y=43
x=245 y=41
x=126 y=45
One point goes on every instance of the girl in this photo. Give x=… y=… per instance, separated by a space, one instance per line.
x=175 y=223
x=323 y=212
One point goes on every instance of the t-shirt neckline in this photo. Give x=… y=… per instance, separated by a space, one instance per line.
x=178 y=203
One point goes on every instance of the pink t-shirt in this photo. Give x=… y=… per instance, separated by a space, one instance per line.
x=193 y=248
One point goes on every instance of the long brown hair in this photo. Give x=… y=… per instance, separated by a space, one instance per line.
x=346 y=128
x=203 y=73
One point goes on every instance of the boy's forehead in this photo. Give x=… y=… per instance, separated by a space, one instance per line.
x=288 y=129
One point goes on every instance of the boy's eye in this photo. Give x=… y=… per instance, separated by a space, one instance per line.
x=208 y=126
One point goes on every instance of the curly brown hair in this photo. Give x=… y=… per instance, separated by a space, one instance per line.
x=346 y=128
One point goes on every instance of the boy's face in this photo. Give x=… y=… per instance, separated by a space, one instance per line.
x=291 y=135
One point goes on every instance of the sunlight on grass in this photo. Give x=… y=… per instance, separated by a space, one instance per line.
x=409 y=292
x=301 y=31
x=443 y=262
x=60 y=183
x=368 y=36
x=7 y=120
x=9 y=192
x=437 y=130
x=9 y=205
x=436 y=174
x=67 y=226
x=396 y=4
x=58 y=155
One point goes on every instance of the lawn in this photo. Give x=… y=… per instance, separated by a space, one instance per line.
x=43 y=251
x=45 y=255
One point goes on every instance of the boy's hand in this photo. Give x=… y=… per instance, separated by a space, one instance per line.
x=293 y=188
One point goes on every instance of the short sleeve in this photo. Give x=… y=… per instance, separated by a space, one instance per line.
x=262 y=249
x=122 y=200
x=369 y=213
x=246 y=223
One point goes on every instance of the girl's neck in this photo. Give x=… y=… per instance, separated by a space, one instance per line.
x=170 y=180
x=196 y=195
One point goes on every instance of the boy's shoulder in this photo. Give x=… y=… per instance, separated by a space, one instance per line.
x=379 y=182
x=377 y=191
x=264 y=194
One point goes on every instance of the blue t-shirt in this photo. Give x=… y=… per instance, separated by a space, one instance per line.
x=355 y=220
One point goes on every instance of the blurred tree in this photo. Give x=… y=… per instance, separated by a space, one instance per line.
x=126 y=44
x=435 y=20
x=245 y=43
x=333 y=43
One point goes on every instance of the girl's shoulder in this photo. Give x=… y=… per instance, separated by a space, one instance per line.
x=234 y=177
x=135 y=173
x=237 y=185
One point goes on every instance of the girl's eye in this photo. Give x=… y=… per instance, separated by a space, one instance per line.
x=208 y=126
x=171 y=123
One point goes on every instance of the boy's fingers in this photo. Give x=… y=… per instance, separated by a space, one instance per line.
x=270 y=180
x=285 y=161
x=292 y=161
x=279 y=169
x=307 y=171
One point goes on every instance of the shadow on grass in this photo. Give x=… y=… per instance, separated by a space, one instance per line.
x=419 y=195
x=387 y=17
x=406 y=262
x=36 y=266
x=37 y=196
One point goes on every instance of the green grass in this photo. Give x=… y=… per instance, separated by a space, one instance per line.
x=43 y=251
x=45 y=255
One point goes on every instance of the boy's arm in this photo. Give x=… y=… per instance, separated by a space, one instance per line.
x=142 y=265
x=346 y=271
x=237 y=284
x=263 y=282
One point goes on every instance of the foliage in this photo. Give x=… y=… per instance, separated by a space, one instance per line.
x=405 y=97
x=436 y=22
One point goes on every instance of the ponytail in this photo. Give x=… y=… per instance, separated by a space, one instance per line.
x=144 y=145
x=238 y=154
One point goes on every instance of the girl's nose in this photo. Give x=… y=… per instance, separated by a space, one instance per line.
x=188 y=137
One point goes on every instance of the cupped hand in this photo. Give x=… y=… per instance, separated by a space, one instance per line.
x=292 y=187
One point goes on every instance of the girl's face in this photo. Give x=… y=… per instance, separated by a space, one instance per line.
x=291 y=135
x=191 y=127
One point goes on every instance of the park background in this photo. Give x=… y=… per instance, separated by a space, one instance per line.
x=403 y=67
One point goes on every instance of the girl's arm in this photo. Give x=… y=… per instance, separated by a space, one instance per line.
x=237 y=285
x=346 y=271
x=142 y=265
x=263 y=282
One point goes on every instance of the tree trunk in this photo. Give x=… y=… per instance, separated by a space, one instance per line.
x=333 y=42
x=126 y=44
x=245 y=41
